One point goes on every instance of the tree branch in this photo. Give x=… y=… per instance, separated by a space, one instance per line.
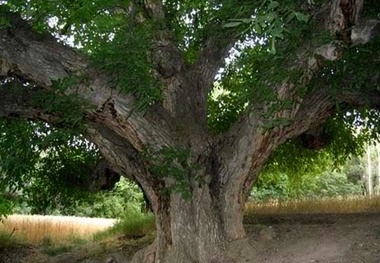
x=153 y=8
x=218 y=41
x=125 y=159
x=41 y=60
x=16 y=101
x=213 y=54
x=249 y=143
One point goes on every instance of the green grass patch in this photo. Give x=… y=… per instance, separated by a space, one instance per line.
x=54 y=248
x=8 y=240
x=132 y=225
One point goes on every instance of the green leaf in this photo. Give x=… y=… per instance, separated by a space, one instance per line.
x=290 y=17
x=272 y=5
x=258 y=28
x=273 y=46
x=301 y=17
x=4 y=22
x=232 y=24
x=270 y=17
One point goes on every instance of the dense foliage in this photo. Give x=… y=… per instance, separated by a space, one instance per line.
x=309 y=186
x=124 y=200
x=48 y=166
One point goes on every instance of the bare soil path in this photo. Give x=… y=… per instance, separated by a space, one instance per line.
x=340 y=238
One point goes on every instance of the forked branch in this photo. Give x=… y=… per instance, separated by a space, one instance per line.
x=251 y=137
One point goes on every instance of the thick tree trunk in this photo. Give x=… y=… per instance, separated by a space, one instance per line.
x=208 y=227
x=195 y=230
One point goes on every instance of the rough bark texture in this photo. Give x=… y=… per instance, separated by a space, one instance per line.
x=207 y=228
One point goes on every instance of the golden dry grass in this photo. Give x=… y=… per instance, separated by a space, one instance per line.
x=313 y=206
x=58 y=229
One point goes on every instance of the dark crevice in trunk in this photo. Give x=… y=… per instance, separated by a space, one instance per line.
x=213 y=168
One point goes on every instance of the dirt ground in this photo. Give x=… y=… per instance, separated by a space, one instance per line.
x=347 y=238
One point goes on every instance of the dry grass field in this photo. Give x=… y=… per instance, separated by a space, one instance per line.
x=35 y=229
x=61 y=229
x=316 y=206
x=339 y=230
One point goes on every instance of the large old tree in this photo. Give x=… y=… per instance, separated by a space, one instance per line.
x=138 y=78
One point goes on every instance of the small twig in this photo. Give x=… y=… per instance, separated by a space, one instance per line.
x=13 y=231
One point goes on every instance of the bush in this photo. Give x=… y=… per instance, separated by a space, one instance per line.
x=133 y=224
x=125 y=197
x=283 y=187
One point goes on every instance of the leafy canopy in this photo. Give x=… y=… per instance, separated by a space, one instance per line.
x=109 y=33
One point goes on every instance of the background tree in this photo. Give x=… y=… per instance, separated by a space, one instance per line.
x=364 y=170
x=138 y=85
x=48 y=169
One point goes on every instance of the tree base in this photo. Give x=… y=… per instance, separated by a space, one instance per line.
x=239 y=251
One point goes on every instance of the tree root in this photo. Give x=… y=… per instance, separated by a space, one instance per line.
x=240 y=251
x=145 y=255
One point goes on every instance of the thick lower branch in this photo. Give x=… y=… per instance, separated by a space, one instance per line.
x=42 y=61
x=17 y=101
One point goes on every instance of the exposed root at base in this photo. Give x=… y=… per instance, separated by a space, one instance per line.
x=145 y=255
